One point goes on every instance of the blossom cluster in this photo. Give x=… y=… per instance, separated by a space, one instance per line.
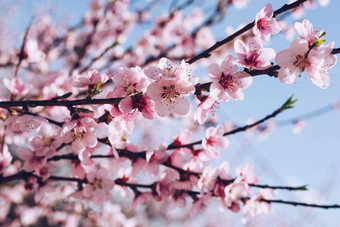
x=69 y=134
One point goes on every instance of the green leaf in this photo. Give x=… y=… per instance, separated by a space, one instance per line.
x=83 y=110
x=66 y=95
x=302 y=188
x=288 y=104
x=322 y=35
x=96 y=91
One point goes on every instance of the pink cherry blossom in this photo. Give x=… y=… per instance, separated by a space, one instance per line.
x=324 y=3
x=252 y=55
x=226 y=81
x=320 y=61
x=183 y=138
x=81 y=132
x=24 y=123
x=205 y=107
x=98 y=187
x=180 y=156
x=16 y=86
x=158 y=155
x=245 y=174
x=215 y=140
x=34 y=55
x=140 y=103
x=128 y=81
x=265 y=24
x=307 y=31
x=254 y=206
x=116 y=135
x=169 y=96
x=169 y=70
x=266 y=130
x=31 y=160
x=208 y=179
x=154 y=157
x=239 y=4
x=294 y=61
x=234 y=192
x=298 y=125
x=200 y=204
x=5 y=158
x=166 y=185
x=91 y=77
x=140 y=199
x=196 y=161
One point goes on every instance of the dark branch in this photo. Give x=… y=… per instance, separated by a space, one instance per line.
x=249 y=26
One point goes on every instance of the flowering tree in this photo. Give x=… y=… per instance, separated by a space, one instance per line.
x=84 y=111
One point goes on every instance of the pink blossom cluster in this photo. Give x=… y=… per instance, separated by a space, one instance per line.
x=75 y=139
x=307 y=53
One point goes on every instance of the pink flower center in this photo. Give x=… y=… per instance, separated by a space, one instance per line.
x=226 y=81
x=252 y=58
x=130 y=88
x=79 y=131
x=36 y=159
x=301 y=62
x=263 y=24
x=138 y=102
x=97 y=183
x=211 y=141
x=169 y=92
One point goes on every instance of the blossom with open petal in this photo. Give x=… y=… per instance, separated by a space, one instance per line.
x=254 y=206
x=98 y=187
x=320 y=61
x=140 y=103
x=214 y=140
x=307 y=31
x=128 y=81
x=252 y=55
x=31 y=160
x=169 y=96
x=294 y=61
x=169 y=70
x=5 y=158
x=17 y=86
x=205 y=107
x=91 y=77
x=81 y=132
x=226 y=81
x=265 y=24
x=24 y=122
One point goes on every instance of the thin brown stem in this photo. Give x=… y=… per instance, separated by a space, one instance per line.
x=22 y=54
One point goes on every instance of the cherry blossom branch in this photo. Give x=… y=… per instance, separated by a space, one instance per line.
x=335 y=206
x=207 y=53
x=336 y=50
x=309 y=115
x=130 y=49
x=22 y=175
x=286 y=105
x=81 y=50
x=171 y=15
x=207 y=22
x=22 y=54
x=288 y=188
x=53 y=102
